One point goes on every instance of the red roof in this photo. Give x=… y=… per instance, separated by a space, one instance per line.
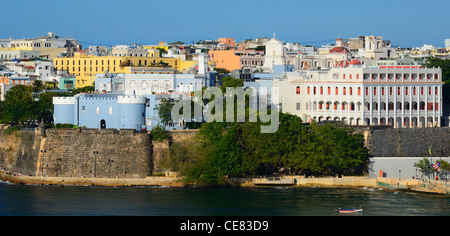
x=339 y=50
x=355 y=62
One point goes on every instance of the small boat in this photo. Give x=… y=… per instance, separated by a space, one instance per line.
x=350 y=210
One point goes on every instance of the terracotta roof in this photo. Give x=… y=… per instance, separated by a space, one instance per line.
x=339 y=50
x=355 y=62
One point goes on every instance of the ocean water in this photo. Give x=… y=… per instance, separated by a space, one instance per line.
x=36 y=200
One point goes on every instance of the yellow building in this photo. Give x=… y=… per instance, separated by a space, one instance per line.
x=85 y=67
x=44 y=47
x=160 y=45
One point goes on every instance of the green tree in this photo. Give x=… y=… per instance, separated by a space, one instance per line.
x=158 y=133
x=228 y=82
x=164 y=109
x=162 y=51
x=19 y=105
x=221 y=71
x=44 y=107
x=38 y=86
x=424 y=165
x=237 y=149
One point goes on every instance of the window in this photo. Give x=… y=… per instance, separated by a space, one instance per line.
x=83 y=108
x=308 y=90
x=97 y=110
x=298 y=106
x=298 y=90
x=337 y=90
x=321 y=90
x=110 y=111
x=359 y=91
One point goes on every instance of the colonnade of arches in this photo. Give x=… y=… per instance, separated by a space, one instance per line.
x=398 y=122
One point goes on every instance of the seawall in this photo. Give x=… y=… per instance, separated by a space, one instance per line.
x=125 y=154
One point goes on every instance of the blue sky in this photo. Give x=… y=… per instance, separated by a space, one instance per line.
x=110 y=22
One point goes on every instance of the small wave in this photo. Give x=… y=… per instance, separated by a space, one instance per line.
x=5 y=183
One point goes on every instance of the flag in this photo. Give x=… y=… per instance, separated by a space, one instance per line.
x=437 y=165
x=429 y=151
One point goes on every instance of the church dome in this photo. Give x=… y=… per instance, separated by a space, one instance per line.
x=342 y=64
x=343 y=50
x=355 y=62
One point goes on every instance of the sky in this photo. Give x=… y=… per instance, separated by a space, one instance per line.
x=406 y=23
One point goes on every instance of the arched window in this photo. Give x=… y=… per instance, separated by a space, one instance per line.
x=307 y=90
x=337 y=90
x=321 y=90
x=298 y=89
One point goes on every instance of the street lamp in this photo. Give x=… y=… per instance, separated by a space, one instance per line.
x=95 y=163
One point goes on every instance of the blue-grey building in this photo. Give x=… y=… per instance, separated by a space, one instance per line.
x=128 y=101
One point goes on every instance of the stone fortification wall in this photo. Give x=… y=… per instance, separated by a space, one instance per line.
x=126 y=154
x=19 y=151
x=94 y=153
x=416 y=142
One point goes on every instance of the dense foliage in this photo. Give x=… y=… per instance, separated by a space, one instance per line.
x=227 y=150
x=23 y=104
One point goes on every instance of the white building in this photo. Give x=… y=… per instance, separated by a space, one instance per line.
x=127 y=50
x=275 y=54
x=401 y=96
